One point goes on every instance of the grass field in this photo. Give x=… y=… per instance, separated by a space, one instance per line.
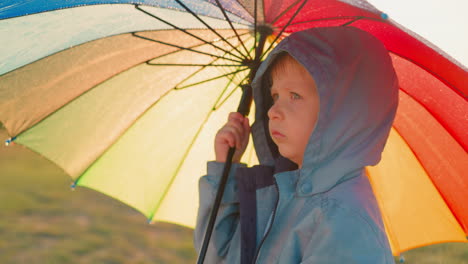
x=42 y=221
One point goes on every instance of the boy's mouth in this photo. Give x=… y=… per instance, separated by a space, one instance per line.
x=277 y=135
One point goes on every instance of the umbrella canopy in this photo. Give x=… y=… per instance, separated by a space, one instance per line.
x=126 y=97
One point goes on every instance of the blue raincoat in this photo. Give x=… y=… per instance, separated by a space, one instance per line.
x=326 y=211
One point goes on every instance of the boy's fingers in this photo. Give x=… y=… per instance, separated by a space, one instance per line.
x=230 y=135
x=231 y=141
x=239 y=128
x=238 y=124
x=227 y=138
x=236 y=142
x=236 y=116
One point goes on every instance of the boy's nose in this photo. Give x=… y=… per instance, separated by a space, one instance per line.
x=275 y=112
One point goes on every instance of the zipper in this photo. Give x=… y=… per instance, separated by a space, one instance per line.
x=257 y=252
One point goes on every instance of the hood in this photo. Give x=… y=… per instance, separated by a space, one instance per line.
x=358 y=92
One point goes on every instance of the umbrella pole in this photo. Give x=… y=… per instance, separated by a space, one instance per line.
x=244 y=109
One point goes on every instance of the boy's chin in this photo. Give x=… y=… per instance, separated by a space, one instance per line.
x=289 y=156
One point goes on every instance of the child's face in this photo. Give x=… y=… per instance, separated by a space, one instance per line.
x=294 y=111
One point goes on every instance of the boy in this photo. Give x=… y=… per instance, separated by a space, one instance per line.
x=325 y=102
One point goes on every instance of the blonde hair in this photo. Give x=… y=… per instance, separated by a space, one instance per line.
x=282 y=64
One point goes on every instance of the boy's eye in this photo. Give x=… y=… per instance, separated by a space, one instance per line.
x=295 y=96
x=274 y=97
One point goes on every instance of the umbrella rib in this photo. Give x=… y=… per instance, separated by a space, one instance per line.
x=204 y=65
x=158 y=204
x=180 y=47
x=284 y=28
x=216 y=107
x=75 y=183
x=162 y=55
x=243 y=7
x=193 y=74
x=197 y=71
x=187 y=151
x=233 y=29
x=222 y=93
x=186 y=32
x=211 y=79
x=247 y=76
x=162 y=96
x=208 y=26
x=284 y=12
x=225 y=89
x=234 y=14
x=352 y=21
x=194 y=46
x=334 y=18
x=3 y=74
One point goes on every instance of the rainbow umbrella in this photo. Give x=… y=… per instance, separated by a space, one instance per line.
x=126 y=96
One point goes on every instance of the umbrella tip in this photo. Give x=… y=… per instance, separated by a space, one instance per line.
x=9 y=141
x=384 y=16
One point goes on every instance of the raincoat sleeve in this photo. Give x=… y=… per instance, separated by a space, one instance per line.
x=228 y=214
x=343 y=235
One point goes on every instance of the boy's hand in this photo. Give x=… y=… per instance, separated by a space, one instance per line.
x=235 y=133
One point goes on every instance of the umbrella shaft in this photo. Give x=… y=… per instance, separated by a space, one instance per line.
x=264 y=31
x=214 y=211
x=244 y=107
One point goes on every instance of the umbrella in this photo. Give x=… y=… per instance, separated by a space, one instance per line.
x=126 y=96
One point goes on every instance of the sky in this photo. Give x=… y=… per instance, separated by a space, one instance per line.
x=443 y=22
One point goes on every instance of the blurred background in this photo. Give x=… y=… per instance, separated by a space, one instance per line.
x=43 y=221
x=443 y=23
